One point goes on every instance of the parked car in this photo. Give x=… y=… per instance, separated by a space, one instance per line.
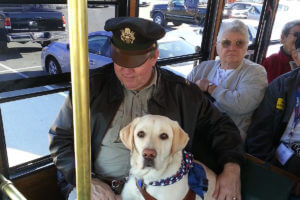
x=55 y=58
x=143 y=3
x=242 y=10
x=97 y=5
x=172 y=46
x=24 y=23
x=177 y=13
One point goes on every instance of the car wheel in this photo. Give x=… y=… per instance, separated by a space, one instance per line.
x=3 y=45
x=159 y=19
x=177 y=23
x=200 y=22
x=53 y=66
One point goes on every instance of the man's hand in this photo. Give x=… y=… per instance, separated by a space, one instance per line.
x=228 y=185
x=101 y=190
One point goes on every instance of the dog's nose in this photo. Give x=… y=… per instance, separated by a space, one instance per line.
x=149 y=153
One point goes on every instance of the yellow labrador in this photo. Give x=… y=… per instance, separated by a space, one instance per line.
x=158 y=167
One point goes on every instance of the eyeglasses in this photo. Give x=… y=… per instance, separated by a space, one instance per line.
x=238 y=43
x=295 y=34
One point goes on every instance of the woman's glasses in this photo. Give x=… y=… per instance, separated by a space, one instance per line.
x=238 y=43
x=295 y=34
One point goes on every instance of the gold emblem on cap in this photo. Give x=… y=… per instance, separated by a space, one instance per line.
x=127 y=36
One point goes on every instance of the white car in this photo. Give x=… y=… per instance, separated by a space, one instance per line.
x=56 y=56
x=172 y=46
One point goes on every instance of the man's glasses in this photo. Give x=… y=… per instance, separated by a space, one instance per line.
x=238 y=43
x=295 y=34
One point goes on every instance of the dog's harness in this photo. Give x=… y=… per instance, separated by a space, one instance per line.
x=197 y=179
x=189 y=196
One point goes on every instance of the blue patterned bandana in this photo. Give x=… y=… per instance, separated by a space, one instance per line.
x=186 y=165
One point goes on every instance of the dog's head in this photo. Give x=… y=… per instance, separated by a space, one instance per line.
x=152 y=139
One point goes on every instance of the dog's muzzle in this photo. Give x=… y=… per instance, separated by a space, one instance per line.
x=149 y=155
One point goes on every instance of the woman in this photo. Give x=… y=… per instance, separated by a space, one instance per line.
x=236 y=84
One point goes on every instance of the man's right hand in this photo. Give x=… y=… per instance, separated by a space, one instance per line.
x=101 y=190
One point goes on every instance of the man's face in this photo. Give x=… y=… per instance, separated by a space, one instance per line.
x=296 y=56
x=136 y=78
x=232 y=48
x=288 y=41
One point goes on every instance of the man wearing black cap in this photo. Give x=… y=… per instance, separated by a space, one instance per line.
x=133 y=86
x=274 y=134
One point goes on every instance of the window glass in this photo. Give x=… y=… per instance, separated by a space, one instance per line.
x=26 y=124
x=246 y=11
x=21 y=41
x=287 y=11
x=99 y=44
x=183 y=21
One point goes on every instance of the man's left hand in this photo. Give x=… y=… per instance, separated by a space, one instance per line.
x=228 y=185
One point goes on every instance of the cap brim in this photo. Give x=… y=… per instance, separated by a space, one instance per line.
x=129 y=59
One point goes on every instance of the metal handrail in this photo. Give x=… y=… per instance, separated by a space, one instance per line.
x=77 y=10
x=7 y=187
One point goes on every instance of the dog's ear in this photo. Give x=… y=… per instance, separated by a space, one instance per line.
x=126 y=134
x=180 y=138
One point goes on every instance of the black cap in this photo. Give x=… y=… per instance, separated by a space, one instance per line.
x=297 y=43
x=133 y=39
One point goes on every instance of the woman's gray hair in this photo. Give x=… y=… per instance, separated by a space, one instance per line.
x=288 y=26
x=236 y=26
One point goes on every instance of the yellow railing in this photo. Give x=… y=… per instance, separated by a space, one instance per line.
x=9 y=189
x=77 y=10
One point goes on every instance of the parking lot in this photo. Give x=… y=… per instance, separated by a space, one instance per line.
x=24 y=60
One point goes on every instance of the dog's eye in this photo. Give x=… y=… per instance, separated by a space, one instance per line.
x=164 y=136
x=141 y=134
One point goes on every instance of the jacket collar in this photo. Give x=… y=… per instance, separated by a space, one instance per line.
x=291 y=83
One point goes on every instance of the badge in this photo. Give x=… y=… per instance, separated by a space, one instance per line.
x=283 y=153
x=280 y=104
x=127 y=36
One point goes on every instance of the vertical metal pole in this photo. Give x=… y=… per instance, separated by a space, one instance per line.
x=77 y=10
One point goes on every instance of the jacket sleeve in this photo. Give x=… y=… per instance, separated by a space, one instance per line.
x=62 y=142
x=259 y=140
x=246 y=96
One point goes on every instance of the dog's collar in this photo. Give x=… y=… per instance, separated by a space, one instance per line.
x=186 y=164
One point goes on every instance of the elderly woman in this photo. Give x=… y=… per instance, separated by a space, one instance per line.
x=236 y=84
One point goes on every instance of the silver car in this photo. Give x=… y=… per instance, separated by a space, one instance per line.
x=56 y=56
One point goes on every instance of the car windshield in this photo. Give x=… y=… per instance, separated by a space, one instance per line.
x=259 y=8
x=175 y=48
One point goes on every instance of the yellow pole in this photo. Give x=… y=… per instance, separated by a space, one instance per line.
x=77 y=10
x=9 y=189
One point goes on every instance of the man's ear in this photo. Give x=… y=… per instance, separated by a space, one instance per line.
x=180 y=138
x=126 y=134
x=282 y=38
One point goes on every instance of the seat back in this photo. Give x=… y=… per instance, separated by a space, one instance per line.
x=261 y=181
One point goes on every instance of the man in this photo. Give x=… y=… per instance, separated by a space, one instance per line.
x=278 y=63
x=133 y=86
x=274 y=134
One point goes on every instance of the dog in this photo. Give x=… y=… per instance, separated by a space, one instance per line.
x=156 y=146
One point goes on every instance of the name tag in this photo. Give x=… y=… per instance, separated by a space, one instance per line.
x=283 y=153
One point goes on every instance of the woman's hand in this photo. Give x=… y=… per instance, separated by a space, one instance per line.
x=203 y=84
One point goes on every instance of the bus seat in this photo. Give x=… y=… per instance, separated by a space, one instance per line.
x=261 y=181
